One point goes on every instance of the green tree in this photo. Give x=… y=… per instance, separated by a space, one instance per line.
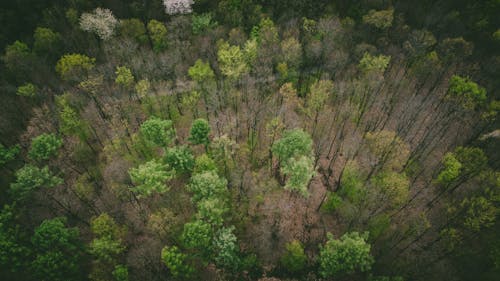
x=14 y=251
x=70 y=122
x=451 y=169
x=124 y=76
x=158 y=131
x=466 y=92
x=197 y=235
x=202 y=23
x=47 y=42
x=17 y=59
x=58 y=251
x=135 y=29
x=299 y=172
x=346 y=255
x=180 y=158
x=393 y=187
x=150 y=177
x=212 y=210
x=204 y=163
x=108 y=241
x=293 y=143
x=44 y=146
x=30 y=178
x=201 y=72
x=319 y=93
x=199 y=132
x=176 y=262
x=371 y=63
x=207 y=185
x=158 y=33
x=226 y=247
x=73 y=66
x=26 y=90
x=120 y=273
x=294 y=259
x=8 y=154
x=231 y=61
x=380 y=19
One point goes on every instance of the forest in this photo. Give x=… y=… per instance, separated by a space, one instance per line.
x=214 y=140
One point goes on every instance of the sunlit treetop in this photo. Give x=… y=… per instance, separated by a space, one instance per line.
x=44 y=146
x=469 y=94
x=158 y=131
x=101 y=21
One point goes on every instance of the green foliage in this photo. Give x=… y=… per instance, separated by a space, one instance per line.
x=212 y=210
x=201 y=72
x=299 y=172
x=371 y=63
x=124 y=76
x=332 y=202
x=204 y=163
x=150 y=178
x=479 y=213
x=176 y=262
x=46 y=41
x=294 y=259
x=292 y=52
x=319 y=93
x=74 y=65
x=142 y=88
x=378 y=225
x=202 y=23
x=451 y=169
x=466 y=92
x=226 y=248
x=293 y=143
x=197 y=235
x=26 y=90
x=29 y=178
x=44 y=146
x=120 y=273
x=232 y=61
x=8 y=154
x=14 y=253
x=157 y=131
x=207 y=185
x=134 y=28
x=351 y=183
x=180 y=158
x=107 y=244
x=105 y=226
x=70 y=122
x=199 y=132
x=393 y=186
x=380 y=19
x=473 y=160
x=158 y=33
x=16 y=55
x=346 y=255
x=58 y=251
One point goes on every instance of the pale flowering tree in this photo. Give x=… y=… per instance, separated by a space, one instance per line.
x=173 y=7
x=101 y=21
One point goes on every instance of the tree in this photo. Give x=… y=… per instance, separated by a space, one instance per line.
x=371 y=63
x=14 y=251
x=70 y=122
x=124 y=76
x=108 y=241
x=294 y=259
x=102 y=22
x=158 y=33
x=319 y=93
x=158 y=131
x=180 y=158
x=47 y=42
x=467 y=93
x=134 y=28
x=8 y=154
x=293 y=143
x=26 y=90
x=299 y=172
x=204 y=163
x=150 y=178
x=176 y=262
x=173 y=7
x=346 y=255
x=30 y=178
x=207 y=185
x=212 y=210
x=73 y=66
x=226 y=247
x=232 y=61
x=197 y=235
x=58 y=251
x=199 y=132
x=393 y=187
x=380 y=19
x=451 y=169
x=120 y=273
x=44 y=146
x=202 y=23
x=201 y=72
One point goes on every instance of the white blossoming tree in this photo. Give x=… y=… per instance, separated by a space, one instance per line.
x=173 y=7
x=102 y=22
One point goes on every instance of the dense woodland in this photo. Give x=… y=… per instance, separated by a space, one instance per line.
x=249 y=140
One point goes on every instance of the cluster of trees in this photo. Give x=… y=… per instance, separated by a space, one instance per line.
x=232 y=140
